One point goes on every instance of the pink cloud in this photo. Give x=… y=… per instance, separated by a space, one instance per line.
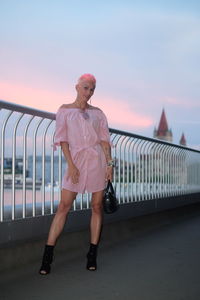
x=119 y=113
x=182 y=102
x=42 y=99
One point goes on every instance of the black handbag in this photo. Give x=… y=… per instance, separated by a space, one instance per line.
x=110 y=202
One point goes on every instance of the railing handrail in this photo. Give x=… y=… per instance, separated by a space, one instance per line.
x=137 y=136
x=27 y=110
x=52 y=116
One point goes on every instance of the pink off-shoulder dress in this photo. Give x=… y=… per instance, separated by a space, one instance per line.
x=83 y=132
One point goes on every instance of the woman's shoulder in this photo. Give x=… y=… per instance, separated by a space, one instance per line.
x=65 y=106
x=95 y=108
x=99 y=112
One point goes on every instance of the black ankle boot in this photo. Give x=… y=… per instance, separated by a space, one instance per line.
x=91 y=258
x=47 y=260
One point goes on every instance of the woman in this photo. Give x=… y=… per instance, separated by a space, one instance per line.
x=82 y=132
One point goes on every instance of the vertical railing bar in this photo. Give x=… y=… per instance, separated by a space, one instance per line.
x=52 y=174
x=172 y=172
x=139 y=168
x=24 y=167
x=13 y=164
x=175 y=161
x=174 y=168
x=88 y=202
x=148 y=171
x=188 y=172
x=142 y=155
x=2 y=165
x=74 y=205
x=132 y=165
x=143 y=146
x=146 y=146
x=137 y=171
x=160 y=171
x=182 y=171
x=34 y=169
x=113 y=153
x=81 y=202
x=142 y=159
x=163 y=172
x=168 y=172
x=157 y=158
x=177 y=179
x=43 y=166
x=135 y=168
x=118 y=167
x=153 y=171
x=185 y=171
x=179 y=171
x=123 y=168
x=127 y=168
x=59 y=172
x=120 y=146
x=113 y=136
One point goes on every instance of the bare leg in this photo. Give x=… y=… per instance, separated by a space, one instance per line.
x=67 y=198
x=96 y=218
x=95 y=229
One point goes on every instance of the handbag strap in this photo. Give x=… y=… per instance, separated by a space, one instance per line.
x=110 y=186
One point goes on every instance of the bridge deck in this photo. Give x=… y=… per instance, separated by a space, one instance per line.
x=159 y=261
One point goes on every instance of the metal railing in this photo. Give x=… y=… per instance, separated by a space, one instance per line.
x=31 y=172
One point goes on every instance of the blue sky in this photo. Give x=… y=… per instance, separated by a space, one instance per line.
x=144 y=54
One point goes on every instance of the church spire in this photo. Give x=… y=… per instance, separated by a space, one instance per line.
x=183 y=140
x=163 y=126
x=163 y=132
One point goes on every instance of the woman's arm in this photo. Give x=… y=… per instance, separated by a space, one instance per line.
x=66 y=152
x=107 y=151
x=73 y=172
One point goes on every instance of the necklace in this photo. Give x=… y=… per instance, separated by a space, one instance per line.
x=83 y=112
x=85 y=115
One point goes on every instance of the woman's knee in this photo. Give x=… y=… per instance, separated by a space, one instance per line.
x=63 y=207
x=66 y=201
x=96 y=207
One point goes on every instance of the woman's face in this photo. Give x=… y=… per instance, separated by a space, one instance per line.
x=85 y=90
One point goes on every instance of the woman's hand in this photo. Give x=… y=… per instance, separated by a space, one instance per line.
x=73 y=173
x=109 y=173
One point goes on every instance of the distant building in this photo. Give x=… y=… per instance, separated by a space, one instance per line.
x=182 y=141
x=163 y=132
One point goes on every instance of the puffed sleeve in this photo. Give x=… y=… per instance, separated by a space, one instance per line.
x=61 y=129
x=104 y=130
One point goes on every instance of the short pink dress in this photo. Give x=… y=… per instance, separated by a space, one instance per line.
x=83 y=131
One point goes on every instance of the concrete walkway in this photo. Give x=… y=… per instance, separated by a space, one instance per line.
x=157 y=262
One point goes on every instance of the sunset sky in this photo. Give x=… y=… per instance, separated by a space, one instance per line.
x=144 y=54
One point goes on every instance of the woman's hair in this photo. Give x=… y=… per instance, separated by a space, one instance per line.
x=88 y=77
